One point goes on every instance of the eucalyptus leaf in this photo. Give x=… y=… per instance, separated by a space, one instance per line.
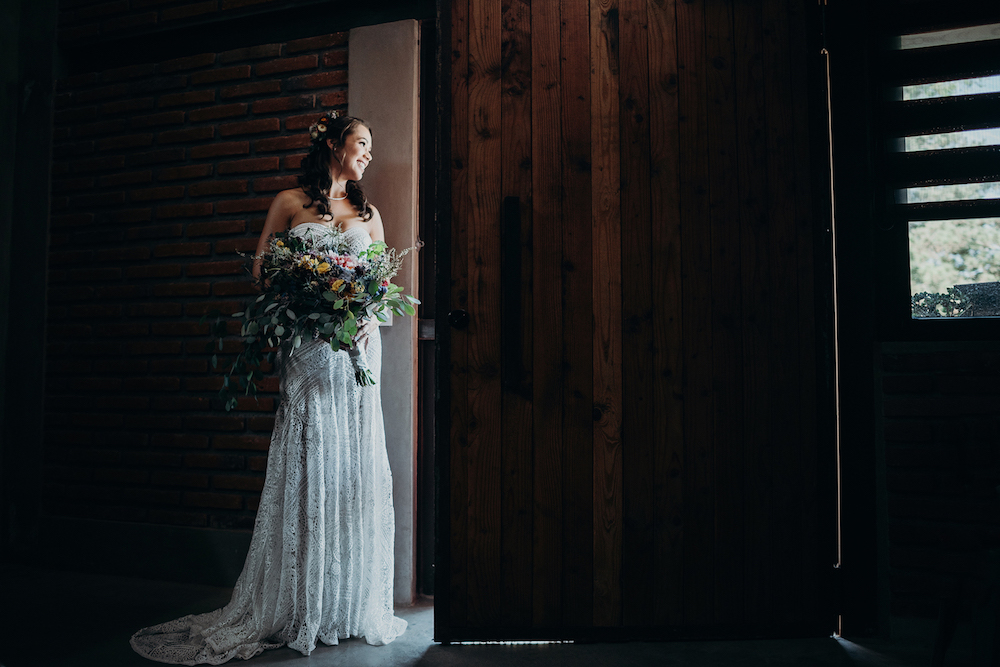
x=297 y=341
x=290 y=313
x=279 y=330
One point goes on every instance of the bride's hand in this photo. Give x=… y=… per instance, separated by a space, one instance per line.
x=366 y=329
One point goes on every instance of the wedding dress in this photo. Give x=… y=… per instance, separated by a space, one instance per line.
x=320 y=564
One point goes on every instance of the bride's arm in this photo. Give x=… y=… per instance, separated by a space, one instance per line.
x=279 y=215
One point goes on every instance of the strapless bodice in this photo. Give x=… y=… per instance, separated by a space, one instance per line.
x=354 y=240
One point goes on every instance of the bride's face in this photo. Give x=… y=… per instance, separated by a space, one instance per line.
x=354 y=155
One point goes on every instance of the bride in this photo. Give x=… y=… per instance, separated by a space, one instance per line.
x=320 y=564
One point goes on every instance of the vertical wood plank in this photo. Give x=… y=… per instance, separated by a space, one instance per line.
x=484 y=311
x=638 y=440
x=606 y=220
x=785 y=459
x=577 y=316
x=668 y=340
x=516 y=424
x=755 y=267
x=459 y=441
x=699 y=515
x=547 y=387
x=727 y=390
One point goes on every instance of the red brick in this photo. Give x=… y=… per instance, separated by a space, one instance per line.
x=189 y=171
x=102 y=93
x=250 y=53
x=333 y=100
x=274 y=183
x=301 y=122
x=71 y=184
x=230 y=246
x=257 y=126
x=161 y=118
x=171 y=518
x=316 y=43
x=198 y=366
x=129 y=105
x=119 y=292
x=177 y=329
x=154 y=271
x=125 y=329
x=98 y=199
x=257 y=463
x=97 y=310
x=155 y=232
x=127 y=72
x=163 y=83
x=187 y=63
x=264 y=423
x=152 y=384
x=74 y=116
x=131 y=215
x=153 y=194
x=181 y=404
x=201 y=308
x=273 y=144
x=293 y=162
x=216 y=228
x=213 y=423
x=190 y=134
x=181 y=289
x=153 y=459
x=336 y=58
x=255 y=89
x=123 y=255
x=126 y=178
x=216 y=500
x=155 y=157
x=79 y=148
x=217 y=188
x=183 y=250
x=286 y=65
x=183 y=211
x=184 y=99
x=101 y=127
x=276 y=104
x=243 y=205
x=217 y=149
x=129 y=22
x=222 y=111
x=320 y=80
x=148 y=348
x=182 y=440
x=231 y=267
x=126 y=141
x=255 y=404
x=121 y=476
x=100 y=164
x=258 y=443
x=177 y=478
x=237 y=482
x=155 y=310
x=212 y=384
x=221 y=74
x=187 y=11
x=216 y=461
x=246 y=166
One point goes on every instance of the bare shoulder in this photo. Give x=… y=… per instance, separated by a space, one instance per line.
x=289 y=199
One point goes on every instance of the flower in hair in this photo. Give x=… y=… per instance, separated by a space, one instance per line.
x=317 y=131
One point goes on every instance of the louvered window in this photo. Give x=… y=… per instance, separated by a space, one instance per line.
x=942 y=125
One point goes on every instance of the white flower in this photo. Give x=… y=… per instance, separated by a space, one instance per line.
x=321 y=127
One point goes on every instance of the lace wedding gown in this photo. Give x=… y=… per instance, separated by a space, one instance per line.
x=320 y=564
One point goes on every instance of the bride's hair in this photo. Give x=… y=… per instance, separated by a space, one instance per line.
x=315 y=177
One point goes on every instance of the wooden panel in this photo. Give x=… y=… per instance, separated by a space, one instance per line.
x=577 y=316
x=726 y=314
x=696 y=263
x=638 y=409
x=606 y=220
x=547 y=375
x=484 y=518
x=456 y=607
x=667 y=361
x=517 y=454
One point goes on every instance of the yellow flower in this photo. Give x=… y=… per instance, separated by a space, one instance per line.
x=323 y=268
x=337 y=283
x=280 y=244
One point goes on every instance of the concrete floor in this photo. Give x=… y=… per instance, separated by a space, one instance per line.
x=61 y=619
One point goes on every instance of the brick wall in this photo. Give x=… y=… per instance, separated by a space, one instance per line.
x=941 y=422
x=162 y=173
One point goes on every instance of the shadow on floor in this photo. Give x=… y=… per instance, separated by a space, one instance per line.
x=63 y=619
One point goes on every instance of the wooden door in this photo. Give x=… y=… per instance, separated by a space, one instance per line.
x=630 y=389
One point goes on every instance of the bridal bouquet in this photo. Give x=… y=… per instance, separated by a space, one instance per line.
x=313 y=287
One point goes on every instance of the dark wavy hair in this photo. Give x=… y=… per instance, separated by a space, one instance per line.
x=315 y=177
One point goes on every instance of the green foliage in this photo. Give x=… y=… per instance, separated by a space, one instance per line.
x=950 y=304
x=945 y=253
